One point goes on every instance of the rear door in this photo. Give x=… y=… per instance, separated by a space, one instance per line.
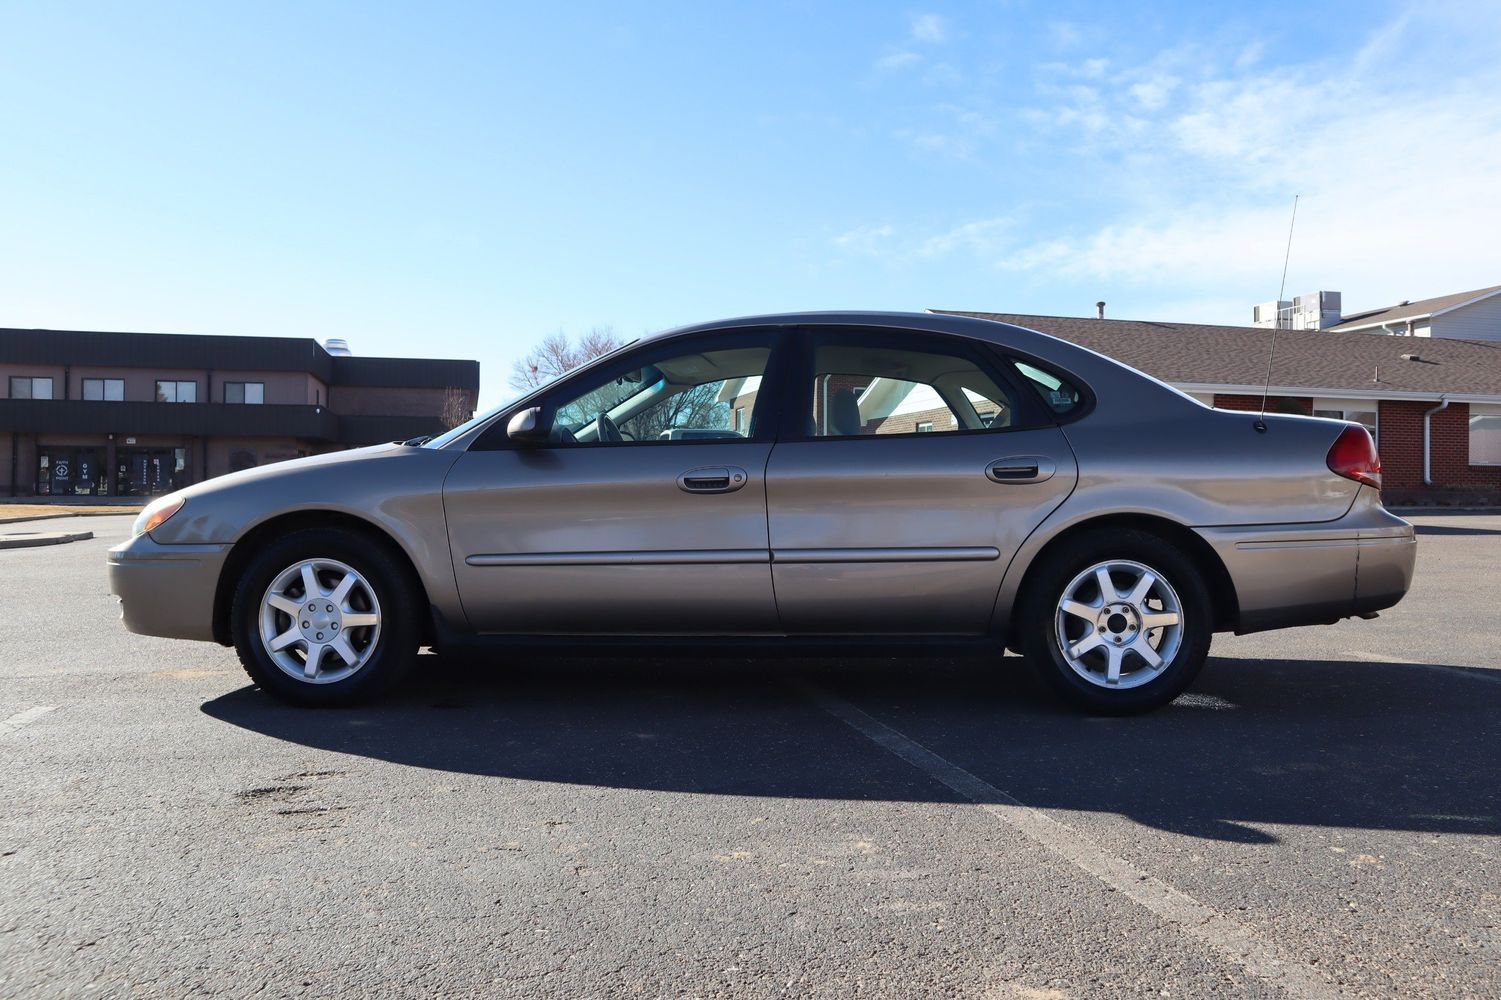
x=912 y=468
x=657 y=525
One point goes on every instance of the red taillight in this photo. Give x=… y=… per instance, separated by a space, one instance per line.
x=1353 y=456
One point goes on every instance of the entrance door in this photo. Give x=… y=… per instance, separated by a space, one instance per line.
x=645 y=512
x=922 y=466
x=69 y=472
x=150 y=471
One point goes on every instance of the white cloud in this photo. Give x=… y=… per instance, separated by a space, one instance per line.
x=1065 y=34
x=865 y=240
x=1152 y=93
x=960 y=136
x=1202 y=156
x=897 y=60
x=980 y=237
x=930 y=29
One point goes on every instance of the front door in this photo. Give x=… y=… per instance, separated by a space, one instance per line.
x=645 y=513
x=922 y=464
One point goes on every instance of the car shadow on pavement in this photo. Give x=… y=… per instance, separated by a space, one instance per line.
x=1449 y=529
x=1324 y=743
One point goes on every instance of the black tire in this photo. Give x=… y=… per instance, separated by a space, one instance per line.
x=1037 y=633
x=400 y=600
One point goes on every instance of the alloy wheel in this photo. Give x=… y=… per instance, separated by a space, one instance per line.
x=1119 y=624
x=320 y=621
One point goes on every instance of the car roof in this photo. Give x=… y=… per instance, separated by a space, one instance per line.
x=983 y=329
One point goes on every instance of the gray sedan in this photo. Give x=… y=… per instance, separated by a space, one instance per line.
x=792 y=478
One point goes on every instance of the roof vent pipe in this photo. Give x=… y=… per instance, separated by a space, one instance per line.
x=1100 y=310
x=1443 y=404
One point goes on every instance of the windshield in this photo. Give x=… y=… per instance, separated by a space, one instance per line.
x=453 y=435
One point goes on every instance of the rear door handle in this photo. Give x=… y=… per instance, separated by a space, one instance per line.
x=714 y=479
x=1021 y=469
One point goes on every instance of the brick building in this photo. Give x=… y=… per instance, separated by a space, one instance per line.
x=135 y=414
x=1433 y=404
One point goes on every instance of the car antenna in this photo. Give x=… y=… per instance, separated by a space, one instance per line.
x=1266 y=388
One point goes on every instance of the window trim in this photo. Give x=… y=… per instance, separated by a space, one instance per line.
x=1028 y=411
x=224 y=392
x=176 y=382
x=10 y=387
x=83 y=389
x=763 y=419
x=1487 y=410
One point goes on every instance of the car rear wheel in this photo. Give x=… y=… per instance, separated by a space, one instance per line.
x=1117 y=622
x=325 y=617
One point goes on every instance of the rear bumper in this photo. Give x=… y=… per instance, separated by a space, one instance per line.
x=1310 y=574
x=166 y=590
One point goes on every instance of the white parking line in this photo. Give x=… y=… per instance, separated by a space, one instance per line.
x=25 y=718
x=1196 y=919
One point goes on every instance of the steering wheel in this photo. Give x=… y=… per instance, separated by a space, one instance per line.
x=605 y=431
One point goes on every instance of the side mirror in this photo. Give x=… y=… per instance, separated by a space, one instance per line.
x=528 y=427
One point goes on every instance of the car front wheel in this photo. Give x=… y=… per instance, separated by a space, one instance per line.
x=1117 y=622
x=325 y=617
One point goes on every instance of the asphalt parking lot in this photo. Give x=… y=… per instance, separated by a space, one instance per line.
x=1320 y=817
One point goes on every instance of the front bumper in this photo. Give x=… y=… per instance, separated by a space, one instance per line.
x=166 y=590
x=1310 y=574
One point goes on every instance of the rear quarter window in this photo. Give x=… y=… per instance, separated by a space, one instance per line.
x=1060 y=395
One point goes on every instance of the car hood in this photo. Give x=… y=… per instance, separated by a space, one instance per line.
x=379 y=484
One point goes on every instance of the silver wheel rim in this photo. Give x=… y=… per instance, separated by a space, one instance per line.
x=1119 y=624
x=320 y=621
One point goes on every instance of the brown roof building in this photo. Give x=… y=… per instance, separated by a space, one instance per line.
x=135 y=414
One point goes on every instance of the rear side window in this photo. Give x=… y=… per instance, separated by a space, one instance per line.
x=1060 y=395
x=862 y=390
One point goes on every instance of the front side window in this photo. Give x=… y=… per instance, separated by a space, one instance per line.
x=28 y=387
x=176 y=392
x=701 y=396
x=104 y=389
x=244 y=392
x=861 y=391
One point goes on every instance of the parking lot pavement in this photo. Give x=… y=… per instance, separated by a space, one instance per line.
x=1319 y=817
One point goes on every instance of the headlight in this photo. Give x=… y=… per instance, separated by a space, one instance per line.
x=156 y=513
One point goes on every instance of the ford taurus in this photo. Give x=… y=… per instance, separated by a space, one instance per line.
x=789 y=478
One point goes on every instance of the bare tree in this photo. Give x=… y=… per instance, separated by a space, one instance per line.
x=557 y=355
x=697 y=407
x=457 y=407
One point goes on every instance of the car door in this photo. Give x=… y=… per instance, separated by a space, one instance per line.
x=645 y=511
x=910 y=471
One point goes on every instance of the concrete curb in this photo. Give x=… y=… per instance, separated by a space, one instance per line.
x=32 y=539
x=47 y=517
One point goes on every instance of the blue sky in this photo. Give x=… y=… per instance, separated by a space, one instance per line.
x=460 y=180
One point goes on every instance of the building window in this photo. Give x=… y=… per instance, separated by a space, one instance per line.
x=740 y=420
x=26 y=387
x=176 y=392
x=1485 y=435
x=244 y=392
x=926 y=426
x=1352 y=412
x=104 y=389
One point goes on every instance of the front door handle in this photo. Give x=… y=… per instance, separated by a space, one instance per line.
x=714 y=479
x=1021 y=469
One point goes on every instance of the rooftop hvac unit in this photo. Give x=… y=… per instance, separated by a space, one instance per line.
x=338 y=347
x=1267 y=314
x=1316 y=310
